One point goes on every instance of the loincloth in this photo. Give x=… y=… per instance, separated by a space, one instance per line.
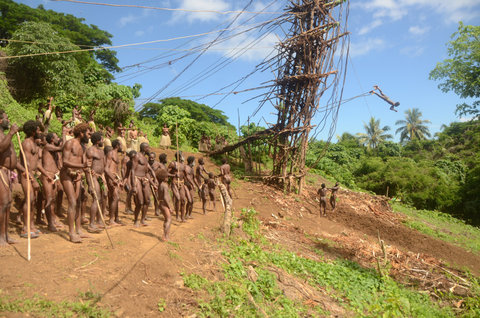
x=178 y=183
x=74 y=174
x=111 y=182
x=56 y=177
x=100 y=179
x=144 y=181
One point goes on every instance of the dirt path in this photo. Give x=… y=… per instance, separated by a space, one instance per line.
x=141 y=271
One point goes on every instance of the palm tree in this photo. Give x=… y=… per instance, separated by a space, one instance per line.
x=413 y=127
x=374 y=135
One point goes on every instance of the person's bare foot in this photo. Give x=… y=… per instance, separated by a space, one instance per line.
x=84 y=235
x=157 y=213
x=52 y=228
x=58 y=225
x=40 y=222
x=11 y=241
x=74 y=238
x=92 y=228
x=136 y=224
x=113 y=223
x=144 y=223
x=84 y=221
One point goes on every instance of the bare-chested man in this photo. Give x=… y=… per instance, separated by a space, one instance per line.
x=8 y=162
x=40 y=197
x=74 y=162
x=114 y=181
x=199 y=170
x=51 y=163
x=126 y=168
x=322 y=192
x=162 y=159
x=32 y=130
x=226 y=178
x=164 y=202
x=333 y=196
x=141 y=183
x=177 y=170
x=211 y=185
x=98 y=191
x=190 y=184
x=385 y=98
x=155 y=165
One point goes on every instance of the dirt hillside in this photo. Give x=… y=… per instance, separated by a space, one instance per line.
x=131 y=278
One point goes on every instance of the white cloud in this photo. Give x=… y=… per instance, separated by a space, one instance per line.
x=369 y=27
x=132 y=18
x=127 y=20
x=390 y=9
x=366 y=46
x=465 y=119
x=451 y=10
x=417 y=30
x=242 y=47
x=201 y=5
x=412 y=51
x=139 y=33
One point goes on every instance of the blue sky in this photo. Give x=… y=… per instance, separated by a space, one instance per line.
x=393 y=44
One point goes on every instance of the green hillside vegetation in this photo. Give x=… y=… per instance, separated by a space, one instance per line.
x=360 y=291
x=439 y=174
x=193 y=120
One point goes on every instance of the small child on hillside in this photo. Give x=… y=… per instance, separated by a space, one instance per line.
x=208 y=188
x=164 y=202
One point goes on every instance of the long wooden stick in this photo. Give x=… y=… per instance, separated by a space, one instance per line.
x=176 y=133
x=99 y=208
x=29 y=235
x=154 y=194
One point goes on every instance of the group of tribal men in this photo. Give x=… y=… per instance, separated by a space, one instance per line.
x=60 y=166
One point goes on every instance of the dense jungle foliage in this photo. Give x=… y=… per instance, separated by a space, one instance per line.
x=442 y=173
x=84 y=77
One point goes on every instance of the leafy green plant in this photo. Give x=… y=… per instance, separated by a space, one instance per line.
x=161 y=305
x=360 y=290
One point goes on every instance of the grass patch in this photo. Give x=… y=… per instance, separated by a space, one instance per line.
x=38 y=306
x=442 y=226
x=359 y=290
x=238 y=296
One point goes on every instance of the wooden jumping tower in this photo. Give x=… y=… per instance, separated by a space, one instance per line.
x=306 y=66
x=305 y=62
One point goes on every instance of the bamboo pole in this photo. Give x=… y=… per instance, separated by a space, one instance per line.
x=29 y=235
x=99 y=208
x=176 y=133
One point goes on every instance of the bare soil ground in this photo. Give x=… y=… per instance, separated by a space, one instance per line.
x=141 y=269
